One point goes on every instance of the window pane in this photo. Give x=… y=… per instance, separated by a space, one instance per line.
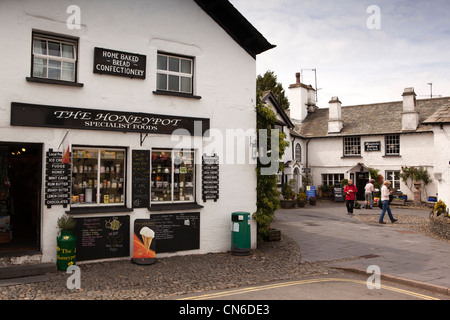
x=161 y=82
x=67 y=51
x=174 y=84
x=161 y=183
x=39 y=46
x=54 y=69
x=162 y=63
x=68 y=71
x=174 y=64
x=54 y=49
x=186 y=66
x=186 y=84
x=112 y=176
x=40 y=68
x=183 y=176
x=84 y=176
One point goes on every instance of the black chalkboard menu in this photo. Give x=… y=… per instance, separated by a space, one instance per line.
x=177 y=231
x=102 y=237
x=210 y=177
x=57 y=180
x=140 y=178
x=338 y=194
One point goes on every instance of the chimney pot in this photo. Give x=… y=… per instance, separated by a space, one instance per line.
x=410 y=116
x=335 y=123
x=297 y=77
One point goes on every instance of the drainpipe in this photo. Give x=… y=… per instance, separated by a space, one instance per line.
x=306 y=153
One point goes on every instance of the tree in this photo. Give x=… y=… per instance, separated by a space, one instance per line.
x=267 y=194
x=268 y=82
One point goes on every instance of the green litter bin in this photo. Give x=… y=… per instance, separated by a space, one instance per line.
x=240 y=233
x=66 y=250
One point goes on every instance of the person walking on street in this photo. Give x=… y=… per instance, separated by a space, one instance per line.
x=385 y=193
x=368 y=194
x=350 y=191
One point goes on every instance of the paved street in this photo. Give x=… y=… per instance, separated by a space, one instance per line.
x=302 y=265
x=325 y=232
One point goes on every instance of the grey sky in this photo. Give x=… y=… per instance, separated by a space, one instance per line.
x=358 y=64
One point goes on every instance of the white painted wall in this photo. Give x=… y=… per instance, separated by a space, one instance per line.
x=326 y=156
x=441 y=158
x=144 y=27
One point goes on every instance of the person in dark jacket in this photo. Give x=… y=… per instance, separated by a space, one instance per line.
x=350 y=191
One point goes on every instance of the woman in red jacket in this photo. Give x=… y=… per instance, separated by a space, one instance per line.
x=350 y=191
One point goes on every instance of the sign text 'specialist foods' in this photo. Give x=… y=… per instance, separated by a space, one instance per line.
x=23 y=114
x=119 y=63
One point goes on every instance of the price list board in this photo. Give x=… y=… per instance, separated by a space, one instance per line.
x=102 y=237
x=140 y=178
x=210 y=178
x=57 y=180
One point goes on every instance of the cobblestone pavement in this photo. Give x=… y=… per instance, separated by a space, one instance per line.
x=171 y=276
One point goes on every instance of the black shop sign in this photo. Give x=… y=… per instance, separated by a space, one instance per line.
x=372 y=146
x=32 y=115
x=57 y=180
x=119 y=63
x=210 y=177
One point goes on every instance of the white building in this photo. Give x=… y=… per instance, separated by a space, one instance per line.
x=345 y=141
x=119 y=78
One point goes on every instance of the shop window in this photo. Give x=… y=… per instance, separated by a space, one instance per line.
x=392 y=143
x=352 y=146
x=173 y=176
x=54 y=58
x=174 y=74
x=98 y=176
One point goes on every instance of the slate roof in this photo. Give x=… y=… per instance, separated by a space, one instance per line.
x=372 y=119
x=440 y=116
x=236 y=25
x=268 y=95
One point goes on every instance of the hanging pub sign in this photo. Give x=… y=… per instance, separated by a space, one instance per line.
x=119 y=63
x=32 y=115
x=57 y=180
x=372 y=146
x=210 y=177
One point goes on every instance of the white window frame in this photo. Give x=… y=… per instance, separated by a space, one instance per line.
x=352 y=146
x=392 y=144
x=390 y=176
x=168 y=73
x=153 y=183
x=329 y=179
x=100 y=183
x=61 y=41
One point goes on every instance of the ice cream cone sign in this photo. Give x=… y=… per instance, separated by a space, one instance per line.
x=147 y=235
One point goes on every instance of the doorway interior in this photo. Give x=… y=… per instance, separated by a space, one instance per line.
x=361 y=180
x=20 y=197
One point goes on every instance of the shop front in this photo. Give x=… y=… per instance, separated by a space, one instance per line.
x=108 y=188
x=138 y=104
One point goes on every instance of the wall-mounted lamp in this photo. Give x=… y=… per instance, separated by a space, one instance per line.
x=438 y=176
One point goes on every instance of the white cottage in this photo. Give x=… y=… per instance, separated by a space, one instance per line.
x=345 y=141
x=125 y=85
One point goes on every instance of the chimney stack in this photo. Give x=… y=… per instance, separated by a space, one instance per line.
x=335 y=123
x=410 y=116
x=300 y=100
